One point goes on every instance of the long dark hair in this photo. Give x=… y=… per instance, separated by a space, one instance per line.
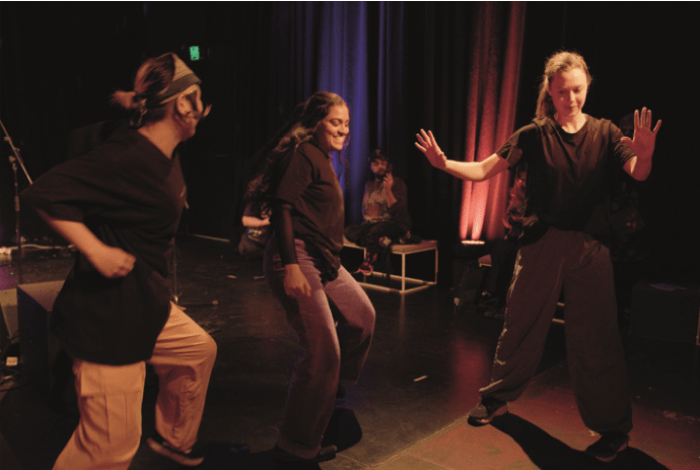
x=301 y=127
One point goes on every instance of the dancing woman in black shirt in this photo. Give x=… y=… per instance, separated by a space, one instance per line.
x=570 y=159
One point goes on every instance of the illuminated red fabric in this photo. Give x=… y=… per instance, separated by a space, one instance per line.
x=492 y=96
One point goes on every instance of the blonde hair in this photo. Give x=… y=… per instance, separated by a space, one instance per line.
x=559 y=62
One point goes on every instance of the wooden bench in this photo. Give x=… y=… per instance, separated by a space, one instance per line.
x=402 y=251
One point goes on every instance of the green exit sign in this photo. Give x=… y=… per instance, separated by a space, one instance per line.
x=195 y=53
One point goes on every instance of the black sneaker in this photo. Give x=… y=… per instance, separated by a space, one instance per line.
x=609 y=446
x=486 y=410
x=325 y=454
x=190 y=458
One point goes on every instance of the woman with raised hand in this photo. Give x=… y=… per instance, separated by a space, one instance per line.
x=570 y=159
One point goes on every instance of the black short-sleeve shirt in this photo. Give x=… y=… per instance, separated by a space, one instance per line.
x=569 y=176
x=130 y=196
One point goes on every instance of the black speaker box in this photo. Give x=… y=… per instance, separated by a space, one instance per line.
x=44 y=360
x=8 y=329
x=667 y=312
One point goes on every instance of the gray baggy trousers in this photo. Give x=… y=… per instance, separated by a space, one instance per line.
x=324 y=359
x=582 y=266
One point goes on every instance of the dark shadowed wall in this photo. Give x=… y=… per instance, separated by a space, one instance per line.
x=400 y=66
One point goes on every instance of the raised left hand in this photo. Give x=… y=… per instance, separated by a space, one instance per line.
x=429 y=146
x=644 y=138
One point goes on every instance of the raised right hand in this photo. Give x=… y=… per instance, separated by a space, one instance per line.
x=428 y=145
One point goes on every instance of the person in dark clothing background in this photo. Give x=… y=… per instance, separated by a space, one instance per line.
x=504 y=251
x=629 y=247
x=119 y=205
x=570 y=158
x=384 y=212
x=256 y=221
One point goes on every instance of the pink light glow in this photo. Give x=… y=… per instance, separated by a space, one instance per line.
x=491 y=102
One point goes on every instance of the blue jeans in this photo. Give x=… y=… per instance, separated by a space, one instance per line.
x=324 y=361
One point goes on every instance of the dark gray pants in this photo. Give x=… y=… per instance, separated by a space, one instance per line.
x=324 y=360
x=582 y=266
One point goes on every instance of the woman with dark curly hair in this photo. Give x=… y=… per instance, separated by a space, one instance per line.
x=302 y=267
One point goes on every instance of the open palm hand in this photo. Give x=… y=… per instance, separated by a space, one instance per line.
x=644 y=139
x=428 y=145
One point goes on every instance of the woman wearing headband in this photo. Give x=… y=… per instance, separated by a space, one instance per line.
x=119 y=205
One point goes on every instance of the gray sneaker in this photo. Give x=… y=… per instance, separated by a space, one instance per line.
x=486 y=410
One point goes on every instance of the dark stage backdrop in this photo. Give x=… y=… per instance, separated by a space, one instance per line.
x=468 y=71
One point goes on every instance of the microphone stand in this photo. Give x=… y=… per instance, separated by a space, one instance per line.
x=13 y=160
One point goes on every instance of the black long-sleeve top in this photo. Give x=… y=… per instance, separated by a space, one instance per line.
x=311 y=194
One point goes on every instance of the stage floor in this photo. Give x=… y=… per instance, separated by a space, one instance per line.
x=421 y=379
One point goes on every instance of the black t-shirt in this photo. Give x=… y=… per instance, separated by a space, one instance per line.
x=130 y=196
x=311 y=186
x=569 y=176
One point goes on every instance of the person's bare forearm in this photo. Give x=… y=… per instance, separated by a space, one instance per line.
x=110 y=261
x=254 y=222
x=638 y=168
x=472 y=171
x=476 y=171
x=75 y=233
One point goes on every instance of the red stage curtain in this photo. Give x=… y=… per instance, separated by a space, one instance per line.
x=492 y=96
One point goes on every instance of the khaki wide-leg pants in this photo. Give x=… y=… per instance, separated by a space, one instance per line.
x=110 y=397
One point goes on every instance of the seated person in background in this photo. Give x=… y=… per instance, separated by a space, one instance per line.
x=503 y=252
x=628 y=246
x=256 y=220
x=384 y=211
